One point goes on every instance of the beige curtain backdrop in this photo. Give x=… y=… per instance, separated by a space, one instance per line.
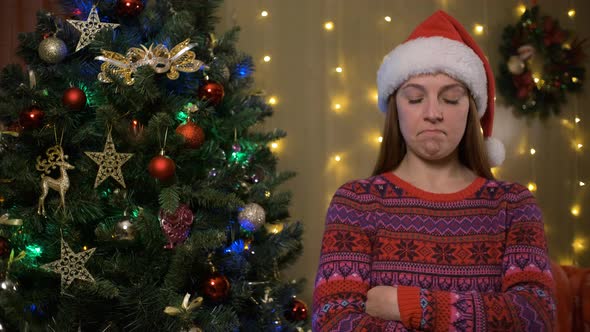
x=17 y=16
x=301 y=76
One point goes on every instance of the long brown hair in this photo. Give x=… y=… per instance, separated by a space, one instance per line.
x=472 y=152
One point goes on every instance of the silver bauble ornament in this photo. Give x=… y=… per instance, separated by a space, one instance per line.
x=515 y=65
x=52 y=50
x=252 y=216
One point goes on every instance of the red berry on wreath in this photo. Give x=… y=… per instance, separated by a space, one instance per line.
x=523 y=93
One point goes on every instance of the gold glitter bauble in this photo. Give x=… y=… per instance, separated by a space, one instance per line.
x=252 y=216
x=52 y=50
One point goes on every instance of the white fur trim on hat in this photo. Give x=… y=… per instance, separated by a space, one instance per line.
x=495 y=151
x=429 y=55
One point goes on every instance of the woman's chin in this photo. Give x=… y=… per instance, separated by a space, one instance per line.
x=435 y=156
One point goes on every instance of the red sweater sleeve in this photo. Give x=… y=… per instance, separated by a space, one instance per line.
x=526 y=301
x=343 y=275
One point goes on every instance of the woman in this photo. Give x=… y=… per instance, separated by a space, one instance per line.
x=432 y=241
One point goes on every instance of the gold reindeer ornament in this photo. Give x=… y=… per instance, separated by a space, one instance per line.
x=55 y=158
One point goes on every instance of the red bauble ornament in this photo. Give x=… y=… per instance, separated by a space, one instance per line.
x=522 y=93
x=212 y=92
x=216 y=287
x=194 y=136
x=32 y=117
x=297 y=311
x=4 y=247
x=129 y=8
x=74 y=98
x=162 y=167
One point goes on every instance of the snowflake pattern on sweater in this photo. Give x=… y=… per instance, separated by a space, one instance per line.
x=474 y=260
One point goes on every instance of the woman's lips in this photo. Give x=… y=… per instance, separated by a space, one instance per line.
x=432 y=132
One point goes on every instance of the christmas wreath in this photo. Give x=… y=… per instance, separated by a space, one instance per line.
x=541 y=62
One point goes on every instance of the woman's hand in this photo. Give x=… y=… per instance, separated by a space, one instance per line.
x=382 y=303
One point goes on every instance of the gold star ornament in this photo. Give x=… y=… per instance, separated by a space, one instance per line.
x=89 y=28
x=71 y=265
x=109 y=163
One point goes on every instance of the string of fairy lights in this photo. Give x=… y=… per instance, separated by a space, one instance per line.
x=579 y=240
x=338 y=105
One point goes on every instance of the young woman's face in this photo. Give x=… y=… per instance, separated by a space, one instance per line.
x=432 y=112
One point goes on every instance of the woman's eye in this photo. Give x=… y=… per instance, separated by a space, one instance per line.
x=415 y=101
x=451 y=101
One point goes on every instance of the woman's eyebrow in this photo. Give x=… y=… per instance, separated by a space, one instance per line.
x=414 y=85
x=450 y=87
x=441 y=91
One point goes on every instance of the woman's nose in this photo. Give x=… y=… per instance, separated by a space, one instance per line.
x=433 y=111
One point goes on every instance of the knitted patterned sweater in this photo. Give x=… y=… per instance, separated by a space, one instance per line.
x=474 y=260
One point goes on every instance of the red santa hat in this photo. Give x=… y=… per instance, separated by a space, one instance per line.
x=441 y=44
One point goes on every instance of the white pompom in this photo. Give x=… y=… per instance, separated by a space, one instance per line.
x=495 y=150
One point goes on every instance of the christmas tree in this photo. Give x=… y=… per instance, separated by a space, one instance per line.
x=138 y=191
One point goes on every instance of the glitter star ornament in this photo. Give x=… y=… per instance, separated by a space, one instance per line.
x=109 y=163
x=89 y=28
x=71 y=265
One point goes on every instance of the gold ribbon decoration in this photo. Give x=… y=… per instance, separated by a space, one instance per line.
x=6 y=220
x=213 y=42
x=179 y=59
x=13 y=259
x=185 y=307
x=8 y=132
